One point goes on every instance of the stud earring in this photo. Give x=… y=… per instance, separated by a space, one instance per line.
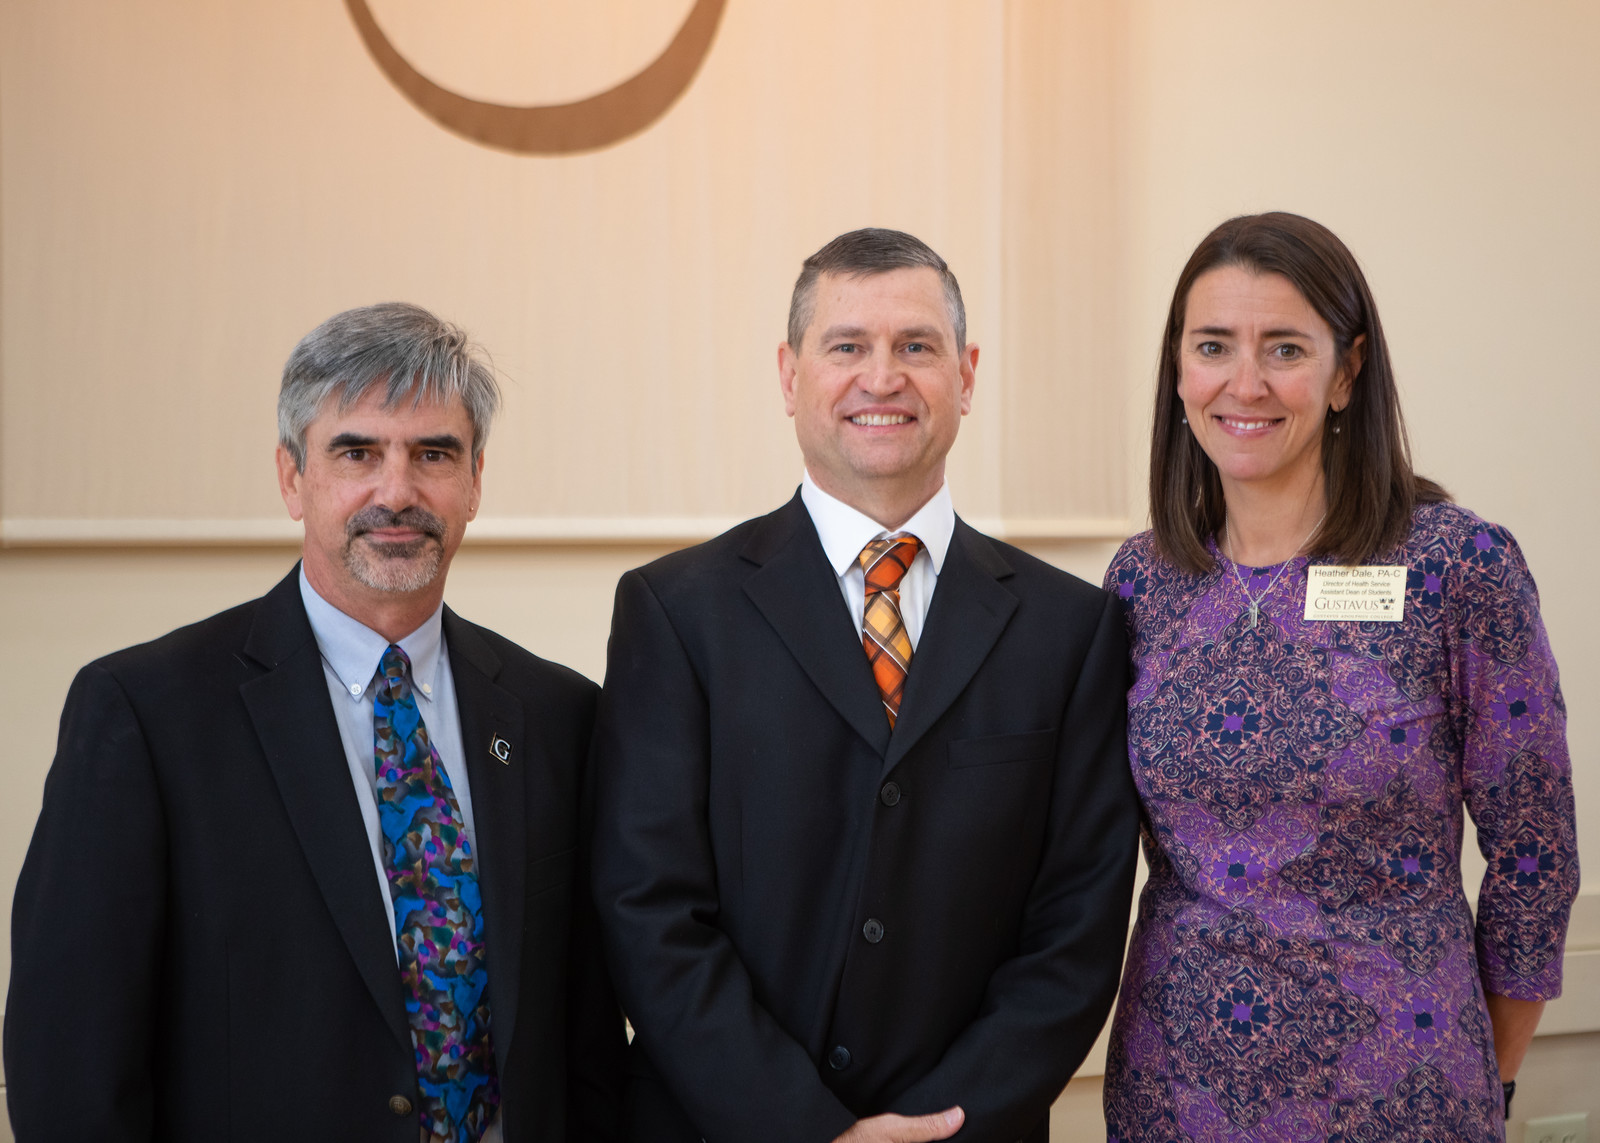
x=1186 y=420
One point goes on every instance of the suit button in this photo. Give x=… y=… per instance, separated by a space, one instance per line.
x=872 y=930
x=839 y=1058
x=400 y=1105
x=890 y=794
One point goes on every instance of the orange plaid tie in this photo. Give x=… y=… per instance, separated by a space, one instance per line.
x=883 y=629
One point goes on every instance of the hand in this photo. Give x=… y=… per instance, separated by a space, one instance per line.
x=1513 y=1023
x=905 y=1128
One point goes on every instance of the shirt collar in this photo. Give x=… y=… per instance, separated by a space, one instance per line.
x=353 y=650
x=844 y=530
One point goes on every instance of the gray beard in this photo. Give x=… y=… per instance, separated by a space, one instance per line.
x=410 y=566
x=398 y=567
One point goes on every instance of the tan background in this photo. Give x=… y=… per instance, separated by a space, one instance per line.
x=187 y=187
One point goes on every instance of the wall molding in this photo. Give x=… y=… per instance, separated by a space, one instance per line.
x=530 y=531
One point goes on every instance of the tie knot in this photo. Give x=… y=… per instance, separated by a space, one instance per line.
x=394 y=672
x=886 y=561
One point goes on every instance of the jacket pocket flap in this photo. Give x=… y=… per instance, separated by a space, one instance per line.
x=1034 y=746
x=551 y=870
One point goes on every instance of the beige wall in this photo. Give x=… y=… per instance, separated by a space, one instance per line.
x=186 y=187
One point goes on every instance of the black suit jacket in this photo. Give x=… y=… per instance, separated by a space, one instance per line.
x=812 y=919
x=200 y=950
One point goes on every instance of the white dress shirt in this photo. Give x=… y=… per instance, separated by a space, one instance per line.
x=351 y=652
x=844 y=531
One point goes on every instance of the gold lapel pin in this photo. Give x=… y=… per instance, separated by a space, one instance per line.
x=501 y=749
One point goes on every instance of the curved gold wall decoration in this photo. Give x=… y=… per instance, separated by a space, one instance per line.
x=556 y=128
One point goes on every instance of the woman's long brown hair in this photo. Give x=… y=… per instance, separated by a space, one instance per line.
x=1370 y=485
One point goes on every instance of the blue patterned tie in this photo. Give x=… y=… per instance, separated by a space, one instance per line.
x=438 y=915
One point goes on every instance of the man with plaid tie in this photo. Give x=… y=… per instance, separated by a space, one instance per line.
x=312 y=868
x=865 y=838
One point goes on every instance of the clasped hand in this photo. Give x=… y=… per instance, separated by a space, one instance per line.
x=905 y=1128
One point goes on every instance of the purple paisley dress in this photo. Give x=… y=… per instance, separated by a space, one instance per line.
x=1305 y=965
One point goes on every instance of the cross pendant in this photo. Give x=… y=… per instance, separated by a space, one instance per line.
x=1255 y=613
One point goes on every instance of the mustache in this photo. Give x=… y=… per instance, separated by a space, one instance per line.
x=375 y=517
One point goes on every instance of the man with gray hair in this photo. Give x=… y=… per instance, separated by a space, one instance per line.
x=865 y=833
x=312 y=868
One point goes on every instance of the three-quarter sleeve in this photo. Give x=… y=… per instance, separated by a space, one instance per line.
x=1516 y=775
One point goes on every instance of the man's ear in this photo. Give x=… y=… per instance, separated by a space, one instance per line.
x=969 y=375
x=788 y=360
x=289 y=478
x=477 y=487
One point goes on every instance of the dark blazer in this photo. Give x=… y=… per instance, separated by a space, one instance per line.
x=810 y=918
x=199 y=947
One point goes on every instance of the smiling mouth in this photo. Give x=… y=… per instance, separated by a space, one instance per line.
x=874 y=420
x=1239 y=424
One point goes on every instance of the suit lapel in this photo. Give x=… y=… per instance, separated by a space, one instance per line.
x=492 y=724
x=798 y=593
x=970 y=609
x=293 y=717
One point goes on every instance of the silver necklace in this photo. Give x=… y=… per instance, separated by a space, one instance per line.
x=1244 y=584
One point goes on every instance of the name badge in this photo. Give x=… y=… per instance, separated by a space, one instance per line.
x=1370 y=594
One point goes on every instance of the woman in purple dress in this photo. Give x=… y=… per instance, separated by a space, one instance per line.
x=1330 y=660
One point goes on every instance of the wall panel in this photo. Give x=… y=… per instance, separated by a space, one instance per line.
x=1063 y=420
x=186 y=188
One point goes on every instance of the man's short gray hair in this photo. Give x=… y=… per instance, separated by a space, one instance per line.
x=862 y=253
x=402 y=347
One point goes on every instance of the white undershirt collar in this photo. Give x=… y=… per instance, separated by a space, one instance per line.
x=844 y=530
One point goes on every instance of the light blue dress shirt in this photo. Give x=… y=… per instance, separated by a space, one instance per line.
x=351 y=652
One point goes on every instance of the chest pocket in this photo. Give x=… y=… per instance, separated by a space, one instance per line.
x=1003 y=749
x=548 y=872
